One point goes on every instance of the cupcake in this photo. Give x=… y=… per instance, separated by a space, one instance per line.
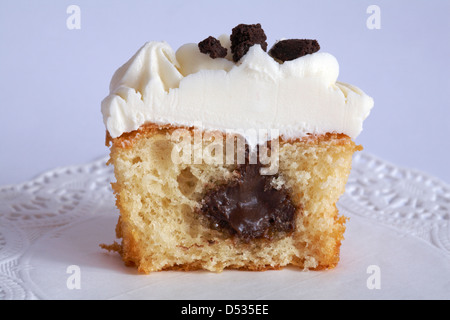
x=231 y=155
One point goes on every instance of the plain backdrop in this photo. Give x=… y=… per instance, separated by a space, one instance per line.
x=52 y=79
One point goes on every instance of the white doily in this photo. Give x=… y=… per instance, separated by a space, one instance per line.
x=399 y=222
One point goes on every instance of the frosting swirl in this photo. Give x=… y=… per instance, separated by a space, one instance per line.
x=187 y=87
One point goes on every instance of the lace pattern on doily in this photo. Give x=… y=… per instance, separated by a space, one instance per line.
x=409 y=201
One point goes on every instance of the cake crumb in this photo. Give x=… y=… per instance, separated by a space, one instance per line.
x=213 y=47
x=277 y=182
x=287 y=50
x=244 y=36
x=116 y=247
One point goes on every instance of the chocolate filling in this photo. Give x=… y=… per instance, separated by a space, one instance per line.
x=250 y=207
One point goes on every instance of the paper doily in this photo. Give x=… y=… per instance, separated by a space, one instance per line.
x=59 y=218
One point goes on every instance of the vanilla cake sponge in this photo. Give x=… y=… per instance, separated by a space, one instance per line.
x=229 y=156
x=162 y=226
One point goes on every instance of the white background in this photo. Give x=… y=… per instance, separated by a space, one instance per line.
x=53 y=79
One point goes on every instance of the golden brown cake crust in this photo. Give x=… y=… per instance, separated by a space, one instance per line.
x=127 y=139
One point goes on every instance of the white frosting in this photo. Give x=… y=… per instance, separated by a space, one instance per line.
x=187 y=88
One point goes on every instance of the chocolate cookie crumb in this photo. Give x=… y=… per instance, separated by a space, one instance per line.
x=244 y=36
x=212 y=47
x=286 y=50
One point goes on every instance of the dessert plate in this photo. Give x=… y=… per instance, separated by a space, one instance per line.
x=397 y=243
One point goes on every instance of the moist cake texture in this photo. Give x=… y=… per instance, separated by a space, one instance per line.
x=229 y=155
